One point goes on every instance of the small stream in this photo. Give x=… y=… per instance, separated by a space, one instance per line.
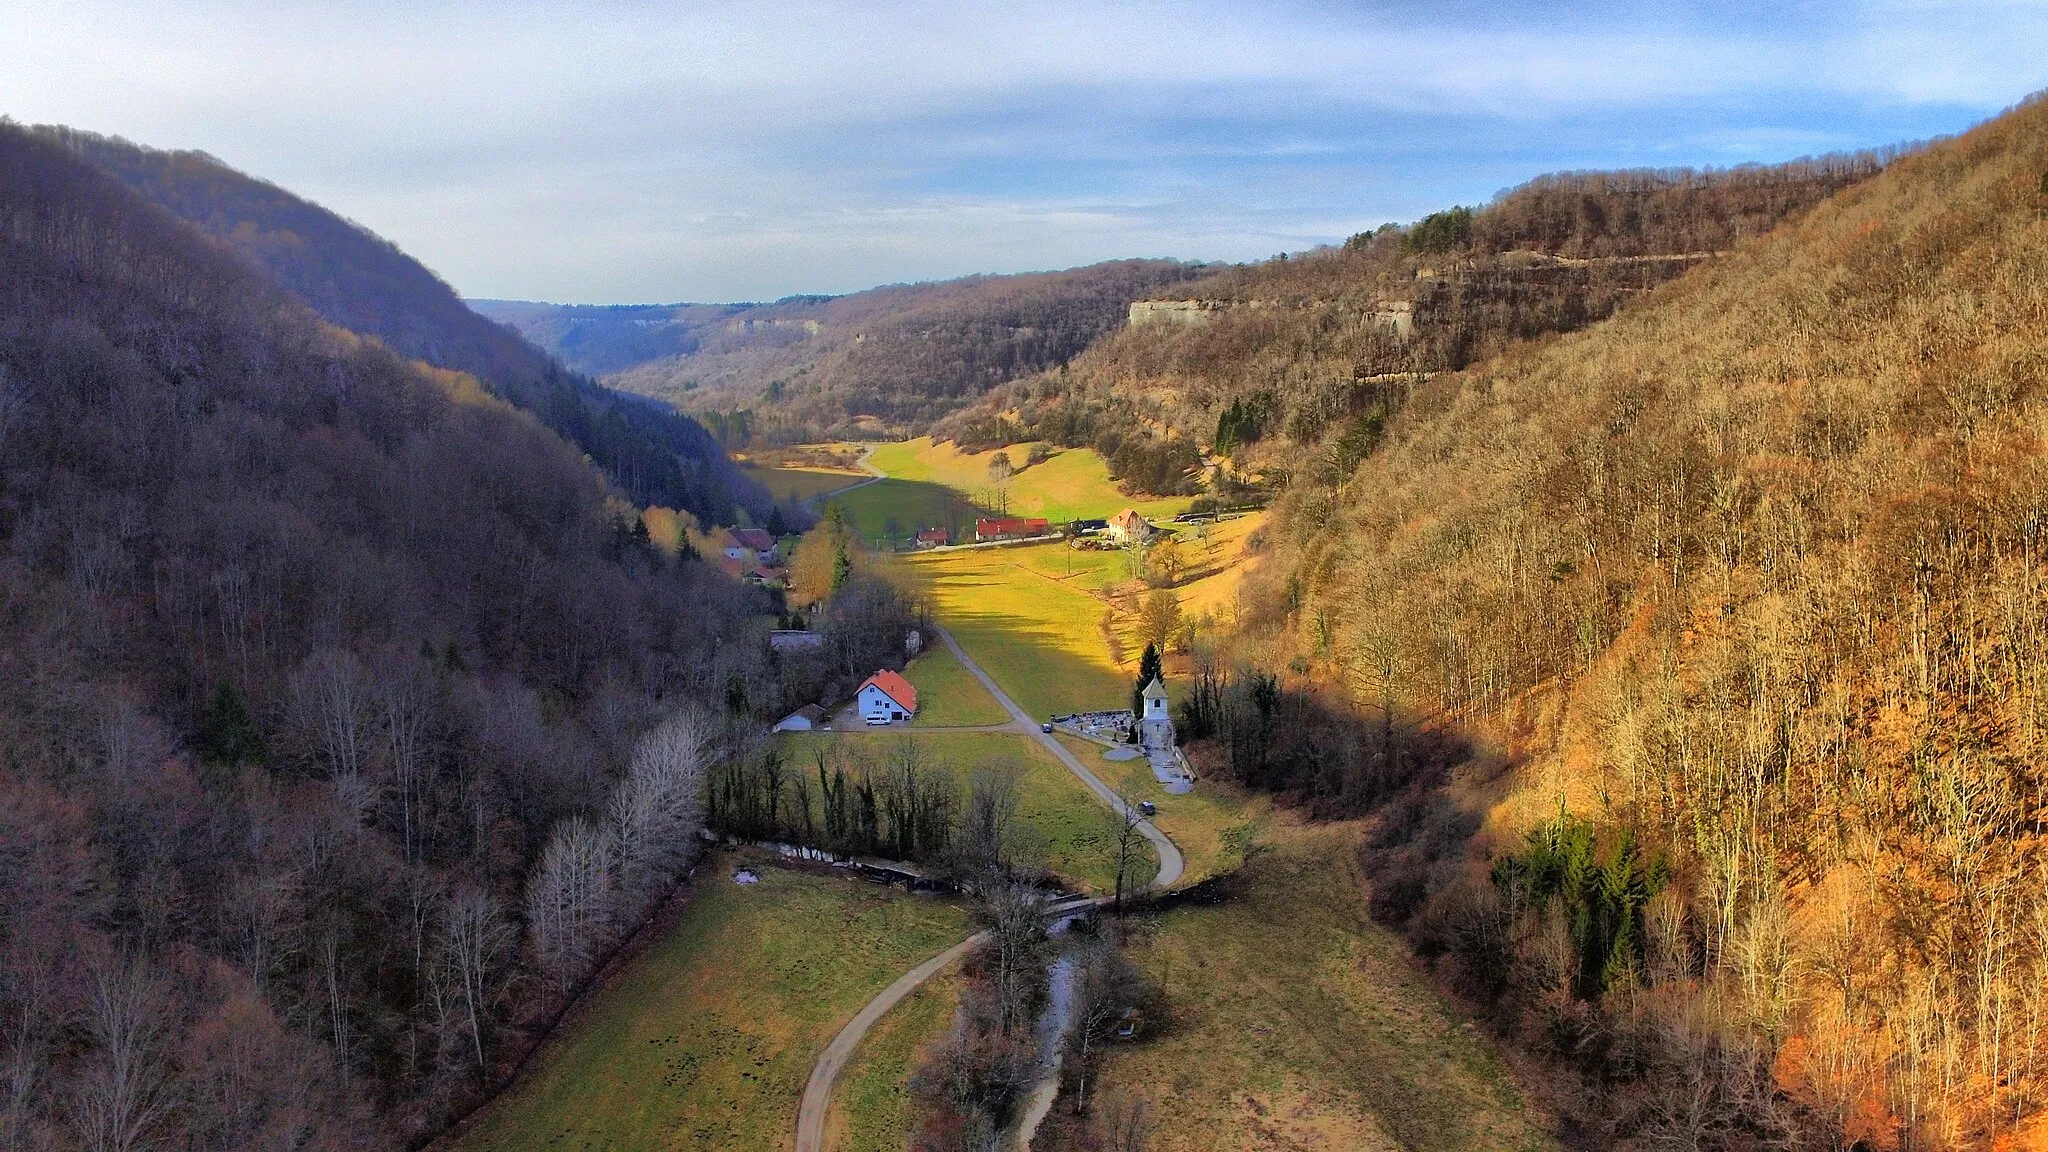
x=1051 y=1032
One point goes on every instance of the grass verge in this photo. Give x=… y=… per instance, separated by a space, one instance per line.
x=1212 y=825
x=706 y=1039
x=871 y=1106
x=948 y=695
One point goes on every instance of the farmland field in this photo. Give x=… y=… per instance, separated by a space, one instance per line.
x=1067 y=826
x=1295 y=1022
x=706 y=1038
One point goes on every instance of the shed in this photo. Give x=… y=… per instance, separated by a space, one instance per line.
x=805 y=719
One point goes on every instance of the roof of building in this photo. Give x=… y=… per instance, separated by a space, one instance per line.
x=1155 y=690
x=755 y=538
x=933 y=534
x=894 y=686
x=1128 y=519
x=1009 y=525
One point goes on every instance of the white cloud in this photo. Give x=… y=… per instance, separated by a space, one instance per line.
x=633 y=151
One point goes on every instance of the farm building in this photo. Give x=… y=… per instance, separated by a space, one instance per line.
x=749 y=546
x=1089 y=527
x=885 y=698
x=934 y=538
x=1009 y=528
x=795 y=639
x=805 y=719
x=1128 y=525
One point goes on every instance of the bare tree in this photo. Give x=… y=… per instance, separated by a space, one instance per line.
x=569 y=901
x=658 y=808
x=1127 y=1123
x=121 y=1096
x=988 y=826
x=1127 y=843
x=474 y=939
x=332 y=708
x=1108 y=988
x=1014 y=912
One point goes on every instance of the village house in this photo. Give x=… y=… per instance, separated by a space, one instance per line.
x=934 y=538
x=885 y=698
x=1128 y=526
x=1009 y=528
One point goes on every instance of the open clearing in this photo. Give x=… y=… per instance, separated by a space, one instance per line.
x=948 y=695
x=871 y=1103
x=794 y=485
x=1294 y=1022
x=706 y=1038
x=1066 y=825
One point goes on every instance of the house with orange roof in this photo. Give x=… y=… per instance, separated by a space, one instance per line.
x=885 y=698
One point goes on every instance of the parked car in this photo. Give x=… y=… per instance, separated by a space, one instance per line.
x=1148 y=808
x=1045 y=727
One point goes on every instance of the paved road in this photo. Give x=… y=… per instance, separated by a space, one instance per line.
x=817 y=1098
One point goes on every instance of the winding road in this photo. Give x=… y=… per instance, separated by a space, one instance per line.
x=817 y=1099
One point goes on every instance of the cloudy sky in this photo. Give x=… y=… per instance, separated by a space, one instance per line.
x=715 y=151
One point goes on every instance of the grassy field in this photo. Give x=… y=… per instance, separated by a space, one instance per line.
x=948 y=695
x=1069 y=828
x=795 y=485
x=1073 y=484
x=1211 y=825
x=1295 y=1022
x=1039 y=635
x=871 y=1103
x=705 y=1041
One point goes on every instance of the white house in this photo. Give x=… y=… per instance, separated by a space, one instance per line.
x=886 y=697
x=1129 y=525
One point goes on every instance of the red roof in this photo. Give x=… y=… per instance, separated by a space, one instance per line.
x=1010 y=526
x=895 y=687
x=933 y=536
x=754 y=538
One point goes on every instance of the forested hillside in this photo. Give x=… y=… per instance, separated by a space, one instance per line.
x=887 y=361
x=1259 y=361
x=307 y=653
x=1739 y=604
x=363 y=283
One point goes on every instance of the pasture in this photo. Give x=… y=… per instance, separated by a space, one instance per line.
x=1293 y=1021
x=704 y=1041
x=1060 y=821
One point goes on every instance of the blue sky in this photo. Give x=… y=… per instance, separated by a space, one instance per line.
x=715 y=151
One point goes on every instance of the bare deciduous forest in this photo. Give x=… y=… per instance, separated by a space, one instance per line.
x=344 y=713
x=1709 y=646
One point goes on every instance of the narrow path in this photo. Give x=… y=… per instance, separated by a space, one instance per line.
x=817 y=1098
x=874 y=475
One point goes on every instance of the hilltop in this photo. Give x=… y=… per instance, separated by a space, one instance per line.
x=1734 y=600
x=361 y=282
